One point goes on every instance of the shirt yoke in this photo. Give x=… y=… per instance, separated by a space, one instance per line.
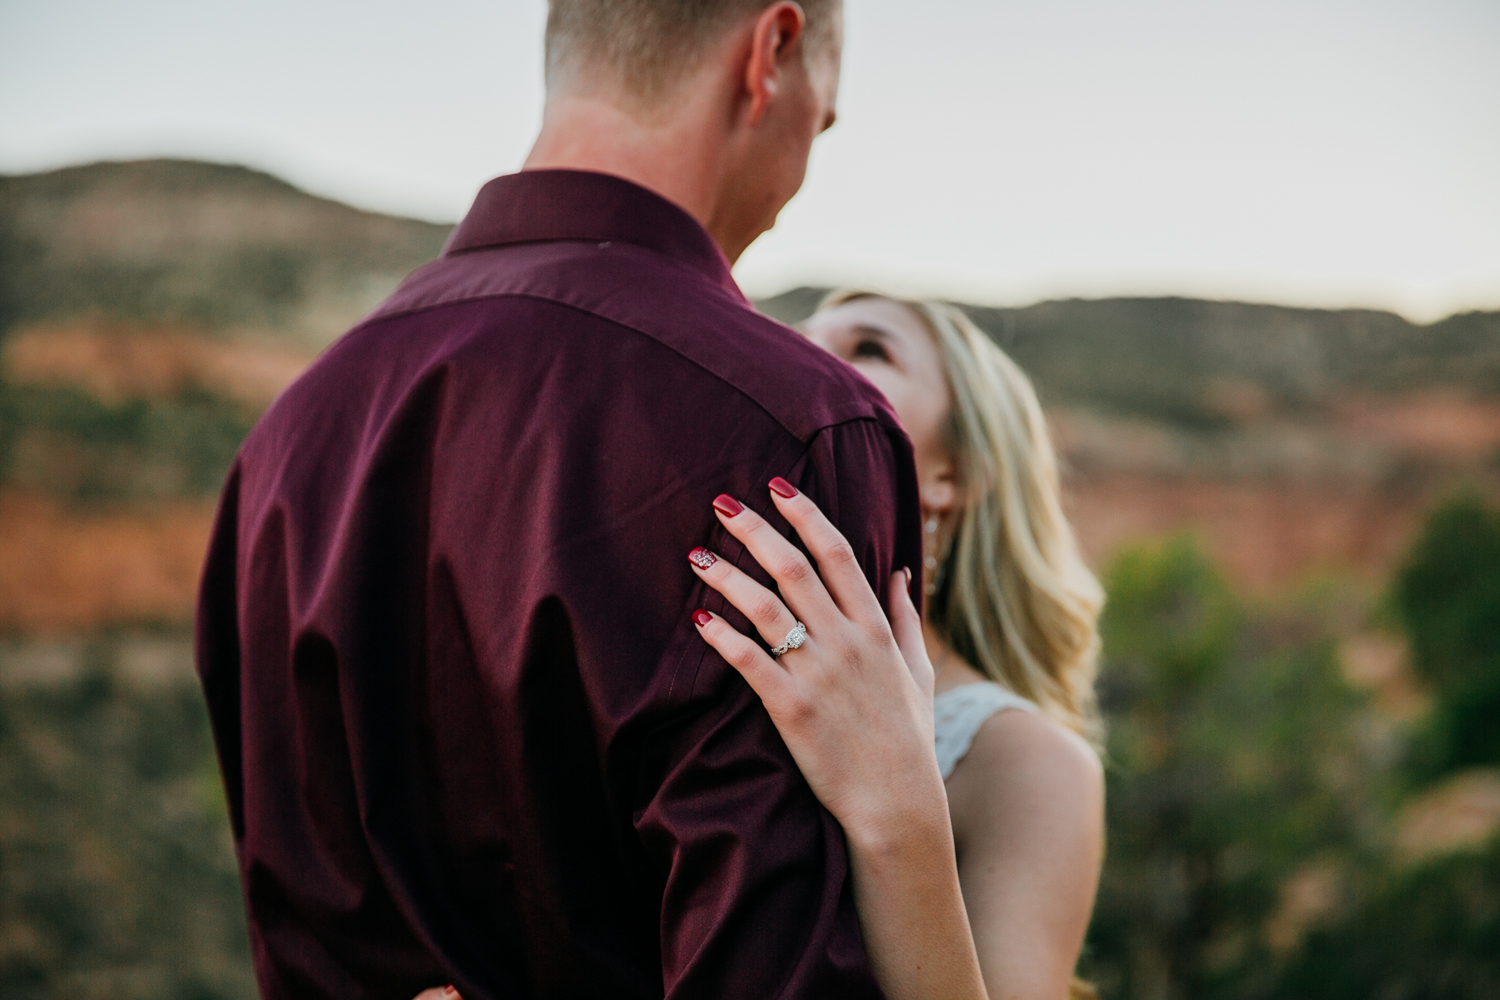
x=801 y=386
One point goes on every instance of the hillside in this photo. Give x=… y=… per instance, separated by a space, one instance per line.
x=220 y=248
x=150 y=310
x=1202 y=363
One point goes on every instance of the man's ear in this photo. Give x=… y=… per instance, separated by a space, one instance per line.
x=778 y=30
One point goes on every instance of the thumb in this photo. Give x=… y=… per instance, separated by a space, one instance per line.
x=906 y=626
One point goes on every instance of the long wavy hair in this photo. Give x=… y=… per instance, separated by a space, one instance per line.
x=1013 y=596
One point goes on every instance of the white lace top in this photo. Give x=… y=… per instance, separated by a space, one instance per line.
x=960 y=711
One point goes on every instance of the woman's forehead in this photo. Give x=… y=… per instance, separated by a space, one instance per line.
x=879 y=316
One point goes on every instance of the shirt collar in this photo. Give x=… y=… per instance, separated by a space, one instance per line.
x=537 y=205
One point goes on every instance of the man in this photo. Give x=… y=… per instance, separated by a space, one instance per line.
x=468 y=731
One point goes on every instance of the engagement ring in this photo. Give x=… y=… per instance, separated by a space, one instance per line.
x=796 y=637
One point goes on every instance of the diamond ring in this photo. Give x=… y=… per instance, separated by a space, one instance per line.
x=795 y=638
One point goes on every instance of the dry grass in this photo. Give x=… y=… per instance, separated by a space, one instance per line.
x=64 y=571
x=1432 y=424
x=1275 y=499
x=1462 y=812
x=1264 y=535
x=115 y=361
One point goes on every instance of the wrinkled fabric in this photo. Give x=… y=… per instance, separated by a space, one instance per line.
x=467 y=729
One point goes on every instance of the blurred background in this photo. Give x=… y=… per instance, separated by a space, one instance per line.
x=1249 y=252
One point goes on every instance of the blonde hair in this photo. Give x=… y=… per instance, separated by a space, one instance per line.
x=1015 y=598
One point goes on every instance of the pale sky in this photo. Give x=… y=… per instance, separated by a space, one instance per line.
x=1322 y=152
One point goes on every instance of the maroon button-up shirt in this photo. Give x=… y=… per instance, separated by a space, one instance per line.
x=467 y=728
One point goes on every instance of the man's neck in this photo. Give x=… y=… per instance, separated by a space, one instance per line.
x=678 y=158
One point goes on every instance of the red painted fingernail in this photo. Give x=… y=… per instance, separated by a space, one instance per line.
x=727 y=505
x=702 y=558
x=701 y=617
x=907 y=571
x=783 y=489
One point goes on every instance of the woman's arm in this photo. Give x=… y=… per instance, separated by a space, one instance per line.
x=1028 y=815
x=854 y=704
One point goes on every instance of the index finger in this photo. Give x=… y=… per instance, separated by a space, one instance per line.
x=837 y=562
x=797 y=579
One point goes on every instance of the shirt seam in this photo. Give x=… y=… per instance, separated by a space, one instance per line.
x=667 y=257
x=872 y=415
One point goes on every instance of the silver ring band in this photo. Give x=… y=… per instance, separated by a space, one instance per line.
x=794 y=639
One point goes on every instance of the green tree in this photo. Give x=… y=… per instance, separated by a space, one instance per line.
x=1447 y=594
x=1231 y=762
x=117 y=873
x=1428 y=933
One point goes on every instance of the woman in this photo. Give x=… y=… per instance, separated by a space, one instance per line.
x=974 y=873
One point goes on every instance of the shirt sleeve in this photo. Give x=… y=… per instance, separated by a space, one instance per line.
x=757 y=901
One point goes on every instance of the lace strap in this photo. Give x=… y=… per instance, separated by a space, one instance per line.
x=959 y=712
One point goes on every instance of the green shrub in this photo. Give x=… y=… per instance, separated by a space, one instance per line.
x=1447 y=594
x=117 y=874
x=69 y=443
x=1230 y=764
x=1432 y=933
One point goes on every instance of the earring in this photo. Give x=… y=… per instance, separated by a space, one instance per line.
x=930 y=561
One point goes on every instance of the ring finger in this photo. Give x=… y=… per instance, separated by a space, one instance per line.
x=771 y=618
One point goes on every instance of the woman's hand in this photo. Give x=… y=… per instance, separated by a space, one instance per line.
x=854 y=702
x=854 y=705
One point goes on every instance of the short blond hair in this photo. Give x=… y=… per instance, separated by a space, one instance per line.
x=647 y=46
x=1016 y=599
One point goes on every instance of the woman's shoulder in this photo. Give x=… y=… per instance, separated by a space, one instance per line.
x=1025 y=763
x=1034 y=740
x=959 y=712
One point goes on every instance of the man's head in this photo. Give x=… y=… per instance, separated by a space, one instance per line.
x=646 y=48
x=714 y=103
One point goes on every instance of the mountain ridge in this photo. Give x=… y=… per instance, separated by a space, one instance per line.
x=215 y=246
x=150 y=309
x=1192 y=360
x=227 y=249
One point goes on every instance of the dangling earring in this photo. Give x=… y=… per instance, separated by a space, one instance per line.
x=936 y=550
x=930 y=560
